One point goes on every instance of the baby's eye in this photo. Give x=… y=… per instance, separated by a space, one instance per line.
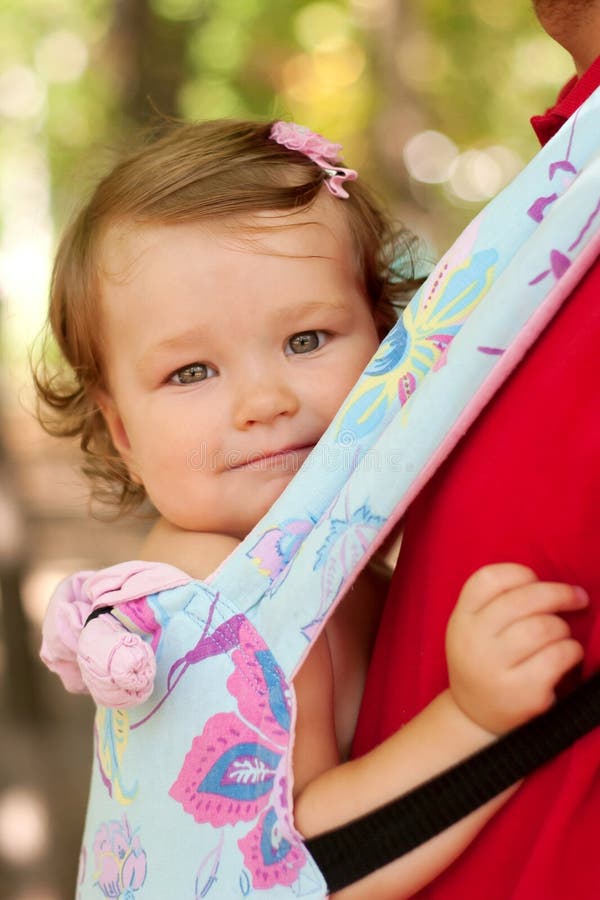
x=192 y=374
x=305 y=341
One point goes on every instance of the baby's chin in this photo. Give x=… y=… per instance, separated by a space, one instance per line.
x=237 y=526
x=234 y=516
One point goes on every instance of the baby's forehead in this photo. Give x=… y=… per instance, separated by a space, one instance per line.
x=318 y=230
x=309 y=232
x=122 y=246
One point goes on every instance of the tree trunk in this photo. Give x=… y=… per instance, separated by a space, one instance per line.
x=147 y=53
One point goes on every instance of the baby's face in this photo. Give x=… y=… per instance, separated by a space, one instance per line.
x=227 y=355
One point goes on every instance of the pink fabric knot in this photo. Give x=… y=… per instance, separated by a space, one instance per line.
x=131 y=580
x=68 y=609
x=324 y=153
x=117 y=666
x=68 y=647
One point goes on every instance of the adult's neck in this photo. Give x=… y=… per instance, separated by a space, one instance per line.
x=584 y=57
x=575 y=24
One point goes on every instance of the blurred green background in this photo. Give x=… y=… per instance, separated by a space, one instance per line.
x=430 y=99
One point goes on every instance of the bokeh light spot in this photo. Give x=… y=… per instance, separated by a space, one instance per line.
x=475 y=176
x=539 y=61
x=429 y=155
x=218 y=45
x=61 y=56
x=210 y=98
x=40 y=583
x=421 y=60
x=314 y=77
x=321 y=26
x=23 y=826
x=22 y=94
x=510 y=162
x=369 y=13
x=497 y=15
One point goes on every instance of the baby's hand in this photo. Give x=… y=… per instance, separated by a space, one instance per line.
x=506 y=646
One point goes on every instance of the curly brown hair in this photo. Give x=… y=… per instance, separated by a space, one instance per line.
x=187 y=173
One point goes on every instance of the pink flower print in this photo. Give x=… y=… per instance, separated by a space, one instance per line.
x=407 y=385
x=120 y=860
x=269 y=855
x=234 y=774
x=559 y=263
x=222 y=640
x=228 y=774
x=274 y=551
x=562 y=165
x=537 y=210
x=442 y=343
x=260 y=688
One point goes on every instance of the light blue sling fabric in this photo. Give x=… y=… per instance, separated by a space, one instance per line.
x=191 y=792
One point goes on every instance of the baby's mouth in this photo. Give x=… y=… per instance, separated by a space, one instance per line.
x=290 y=457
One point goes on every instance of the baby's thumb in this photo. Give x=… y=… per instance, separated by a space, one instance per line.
x=490 y=581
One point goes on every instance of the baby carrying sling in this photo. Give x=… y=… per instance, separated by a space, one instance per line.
x=191 y=792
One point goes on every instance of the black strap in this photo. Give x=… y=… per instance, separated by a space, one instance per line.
x=99 y=611
x=353 y=851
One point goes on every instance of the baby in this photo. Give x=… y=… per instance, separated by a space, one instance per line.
x=216 y=300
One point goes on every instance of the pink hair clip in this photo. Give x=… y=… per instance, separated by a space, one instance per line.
x=322 y=152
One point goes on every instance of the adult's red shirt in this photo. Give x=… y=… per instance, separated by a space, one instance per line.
x=522 y=486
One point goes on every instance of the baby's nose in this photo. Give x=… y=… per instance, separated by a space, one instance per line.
x=262 y=398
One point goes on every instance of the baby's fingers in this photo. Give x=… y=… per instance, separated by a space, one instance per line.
x=488 y=583
x=540 y=674
x=538 y=598
x=525 y=637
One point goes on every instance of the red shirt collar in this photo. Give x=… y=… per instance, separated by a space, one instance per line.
x=573 y=94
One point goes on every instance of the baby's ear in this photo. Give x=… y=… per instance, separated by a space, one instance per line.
x=117 y=430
